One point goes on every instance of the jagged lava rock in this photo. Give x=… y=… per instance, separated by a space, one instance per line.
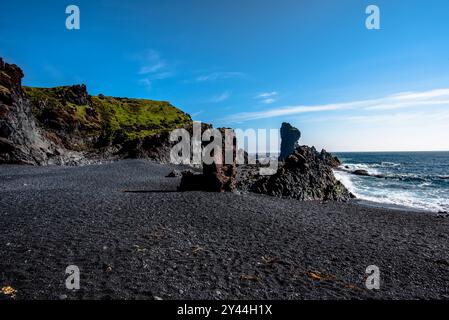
x=329 y=159
x=289 y=140
x=305 y=175
x=217 y=176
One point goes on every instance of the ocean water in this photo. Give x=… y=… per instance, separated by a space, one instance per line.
x=418 y=180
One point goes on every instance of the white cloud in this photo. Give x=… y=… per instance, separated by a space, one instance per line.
x=401 y=100
x=396 y=118
x=221 y=97
x=196 y=114
x=153 y=67
x=267 y=97
x=146 y=83
x=219 y=76
x=269 y=101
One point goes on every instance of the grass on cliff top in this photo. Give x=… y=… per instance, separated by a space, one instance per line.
x=138 y=117
x=130 y=118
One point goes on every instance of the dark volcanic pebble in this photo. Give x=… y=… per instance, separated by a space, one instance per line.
x=133 y=236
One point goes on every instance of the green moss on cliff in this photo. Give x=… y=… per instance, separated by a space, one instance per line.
x=107 y=117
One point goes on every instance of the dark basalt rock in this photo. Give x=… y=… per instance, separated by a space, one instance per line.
x=76 y=94
x=329 y=159
x=365 y=173
x=289 y=140
x=174 y=174
x=361 y=172
x=305 y=175
x=21 y=141
x=217 y=176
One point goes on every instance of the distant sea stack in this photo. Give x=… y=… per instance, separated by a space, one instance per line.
x=289 y=140
x=66 y=125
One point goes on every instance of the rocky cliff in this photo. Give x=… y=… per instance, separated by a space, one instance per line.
x=66 y=125
x=21 y=139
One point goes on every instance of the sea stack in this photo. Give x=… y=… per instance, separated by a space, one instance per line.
x=289 y=140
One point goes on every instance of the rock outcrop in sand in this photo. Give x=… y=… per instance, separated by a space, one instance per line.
x=305 y=175
x=289 y=140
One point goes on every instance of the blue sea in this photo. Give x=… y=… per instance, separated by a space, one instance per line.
x=418 y=180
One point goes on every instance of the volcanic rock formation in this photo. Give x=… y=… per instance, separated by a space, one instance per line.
x=21 y=141
x=305 y=175
x=220 y=174
x=289 y=140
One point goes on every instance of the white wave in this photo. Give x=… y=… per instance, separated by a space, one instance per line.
x=379 y=193
x=390 y=164
x=345 y=179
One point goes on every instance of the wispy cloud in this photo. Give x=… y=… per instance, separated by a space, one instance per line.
x=221 y=97
x=395 y=118
x=145 y=82
x=267 y=97
x=269 y=101
x=196 y=114
x=219 y=76
x=152 y=67
x=396 y=101
x=149 y=60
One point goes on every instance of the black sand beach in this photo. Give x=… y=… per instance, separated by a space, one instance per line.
x=133 y=236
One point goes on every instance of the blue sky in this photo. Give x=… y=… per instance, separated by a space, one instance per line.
x=254 y=64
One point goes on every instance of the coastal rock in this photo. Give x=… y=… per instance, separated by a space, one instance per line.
x=329 y=159
x=305 y=175
x=365 y=173
x=21 y=141
x=174 y=174
x=217 y=176
x=289 y=140
x=361 y=172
